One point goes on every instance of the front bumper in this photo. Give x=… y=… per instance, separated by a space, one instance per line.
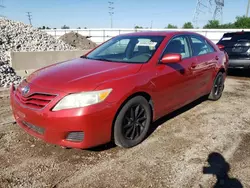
x=53 y=127
x=239 y=64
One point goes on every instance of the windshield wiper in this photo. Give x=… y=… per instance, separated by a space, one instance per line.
x=102 y=59
x=84 y=57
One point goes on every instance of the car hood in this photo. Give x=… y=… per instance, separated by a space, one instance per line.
x=80 y=74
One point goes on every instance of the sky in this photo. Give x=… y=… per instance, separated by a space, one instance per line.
x=127 y=13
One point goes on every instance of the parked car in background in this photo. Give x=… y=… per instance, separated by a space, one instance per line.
x=237 y=46
x=118 y=89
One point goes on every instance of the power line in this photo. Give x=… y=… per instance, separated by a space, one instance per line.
x=111 y=12
x=29 y=17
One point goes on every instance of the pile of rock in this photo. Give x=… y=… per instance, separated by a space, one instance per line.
x=16 y=36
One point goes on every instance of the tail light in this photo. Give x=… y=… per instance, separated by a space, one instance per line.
x=221 y=47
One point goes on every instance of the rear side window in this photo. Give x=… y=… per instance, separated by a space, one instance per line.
x=235 y=37
x=200 y=46
x=145 y=42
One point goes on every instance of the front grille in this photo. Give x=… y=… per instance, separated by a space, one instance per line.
x=36 y=129
x=75 y=136
x=36 y=100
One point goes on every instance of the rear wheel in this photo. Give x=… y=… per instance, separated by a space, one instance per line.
x=132 y=123
x=218 y=87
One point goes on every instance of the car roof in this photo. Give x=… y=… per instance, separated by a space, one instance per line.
x=157 y=33
x=237 y=32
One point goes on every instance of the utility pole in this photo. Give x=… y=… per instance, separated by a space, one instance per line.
x=111 y=11
x=1 y=7
x=151 y=25
x=248 y=6
x=218 y=13
x=202 y=11
x=29 y=17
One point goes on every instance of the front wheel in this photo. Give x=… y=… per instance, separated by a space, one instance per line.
x=132 y=123
x=218 y=87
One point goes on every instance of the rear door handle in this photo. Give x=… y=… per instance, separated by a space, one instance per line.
x=193 y=65
x=216 y=58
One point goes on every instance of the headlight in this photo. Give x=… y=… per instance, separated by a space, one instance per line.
x=82 y=99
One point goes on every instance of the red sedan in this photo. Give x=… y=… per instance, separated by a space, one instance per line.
x=118 y=89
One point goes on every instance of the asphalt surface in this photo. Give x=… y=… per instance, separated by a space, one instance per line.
x=192 y=147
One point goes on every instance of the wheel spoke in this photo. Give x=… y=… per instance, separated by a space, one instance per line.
x=133 y=133
x=141 y=112
x=141 y=119
x=137 y=109
x=128 y=132
x=141 y=125
x=128 y=125
x=128 y=119
x=138 y=131
x=132 y=114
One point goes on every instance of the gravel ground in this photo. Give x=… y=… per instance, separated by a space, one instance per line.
x=173 y=155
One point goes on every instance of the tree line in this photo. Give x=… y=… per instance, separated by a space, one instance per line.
x=241 y=22
x=63 y=27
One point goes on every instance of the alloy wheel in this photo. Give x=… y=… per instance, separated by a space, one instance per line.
x=218 y=86
x=134 y=122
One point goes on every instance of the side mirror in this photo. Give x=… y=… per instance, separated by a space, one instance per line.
x=171 y=58
x=221 y=47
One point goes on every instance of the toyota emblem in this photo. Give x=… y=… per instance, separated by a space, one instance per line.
x=25 y=90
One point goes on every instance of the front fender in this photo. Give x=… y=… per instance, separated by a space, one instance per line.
x=123 y=88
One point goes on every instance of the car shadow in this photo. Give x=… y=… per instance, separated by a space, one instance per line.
x=171 y=115
x=220 y=168
x=239 y=73
x=177 y=67
x=103 y=147
x=154 y=125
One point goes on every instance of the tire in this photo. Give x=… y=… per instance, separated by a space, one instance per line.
x=132 y=123
x=218 y=87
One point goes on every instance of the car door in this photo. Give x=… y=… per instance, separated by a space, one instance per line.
x=206 y=62
x=174 y=82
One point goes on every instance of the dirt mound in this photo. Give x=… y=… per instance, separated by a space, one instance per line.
x=78 y=41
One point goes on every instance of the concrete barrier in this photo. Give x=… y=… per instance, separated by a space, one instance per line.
x=25 y=63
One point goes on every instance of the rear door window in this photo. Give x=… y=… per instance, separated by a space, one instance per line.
x=200 y=46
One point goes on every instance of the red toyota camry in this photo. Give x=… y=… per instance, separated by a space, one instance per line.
x=118 y=89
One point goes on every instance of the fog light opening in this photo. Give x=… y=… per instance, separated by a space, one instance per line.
x=75 y=136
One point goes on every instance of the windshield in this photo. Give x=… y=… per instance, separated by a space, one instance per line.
x=129 y=49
